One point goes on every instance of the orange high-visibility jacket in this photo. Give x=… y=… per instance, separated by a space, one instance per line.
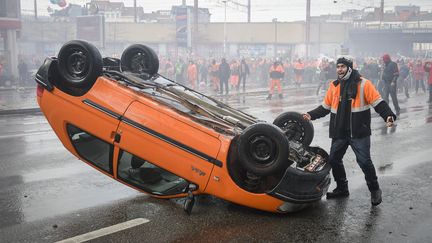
x=192 y=72
x=276 y=72
x=299 y=65
x=367 y=96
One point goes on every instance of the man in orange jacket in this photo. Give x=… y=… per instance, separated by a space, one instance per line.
x=349 y=99
x=192 y=74
x=276 y=73
x=299 y=68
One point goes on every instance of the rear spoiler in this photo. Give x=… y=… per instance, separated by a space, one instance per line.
x=42 y=76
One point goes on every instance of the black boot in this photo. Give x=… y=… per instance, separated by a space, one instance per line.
x=280 y=96
x=269 y=97
x=376 y=198
x=340 y=191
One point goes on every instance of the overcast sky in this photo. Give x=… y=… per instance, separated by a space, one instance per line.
x=262 y=10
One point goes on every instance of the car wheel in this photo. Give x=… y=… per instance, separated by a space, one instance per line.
x=295 y=127
x=263 y=149
x=140 y=59
x=79 y=65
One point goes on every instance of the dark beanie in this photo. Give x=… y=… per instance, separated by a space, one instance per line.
x=343 y=60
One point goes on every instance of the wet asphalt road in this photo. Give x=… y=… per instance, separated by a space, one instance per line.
x=47 y=195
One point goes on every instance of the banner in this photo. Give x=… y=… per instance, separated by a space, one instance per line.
x=181 y=19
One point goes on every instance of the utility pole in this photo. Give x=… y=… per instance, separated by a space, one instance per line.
x=224 y=40
x=381 y=12
x=275 y=20
x=308 y=6
x=135 y=11
x=195 y=28
x=249 y=11
x=35 y=10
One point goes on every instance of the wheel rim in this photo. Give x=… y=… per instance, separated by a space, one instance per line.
x=77 y=64
x=294 y=130
x=262 y=149
x=139 y=62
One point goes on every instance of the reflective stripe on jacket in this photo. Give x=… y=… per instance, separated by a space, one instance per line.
x=276 y=72
x=367 y=96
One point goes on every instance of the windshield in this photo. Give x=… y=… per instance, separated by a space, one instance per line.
x=200 y=107
x=204 y=98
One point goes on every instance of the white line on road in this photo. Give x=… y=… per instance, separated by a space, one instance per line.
x=106 y=231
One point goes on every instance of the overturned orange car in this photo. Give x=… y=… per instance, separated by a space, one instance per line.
x=162 y=138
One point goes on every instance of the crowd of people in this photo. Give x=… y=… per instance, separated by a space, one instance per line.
x=223 y=75
x=236 y=74
x=241 y=74
x=400 y=75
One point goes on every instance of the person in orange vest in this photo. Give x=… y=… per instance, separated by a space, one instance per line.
x=299 y=67
x=192 y=74
x=276 y=73
x=349 y=99
x=214 y=75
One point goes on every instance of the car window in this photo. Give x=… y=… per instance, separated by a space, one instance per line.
x=148 y=177
x=167 y=82
x=91 y=148
x=171 y=102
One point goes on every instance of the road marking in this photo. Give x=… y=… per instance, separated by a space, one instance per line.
x=106 y=231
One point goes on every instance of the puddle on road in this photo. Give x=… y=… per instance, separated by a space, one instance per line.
x=55 y=173
x=50 y=192
x=385 y=167
x=399 y=165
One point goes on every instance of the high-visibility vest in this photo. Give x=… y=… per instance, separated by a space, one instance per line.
x=367 y=96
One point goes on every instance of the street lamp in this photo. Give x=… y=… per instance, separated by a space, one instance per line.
x=224 y=41
x=275 y=21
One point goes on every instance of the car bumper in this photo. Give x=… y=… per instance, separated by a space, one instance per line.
x=301 y=187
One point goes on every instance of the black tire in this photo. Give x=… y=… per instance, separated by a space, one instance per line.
x=295 y=127
x=79 y=65
x=140 y=59
x=263 y=149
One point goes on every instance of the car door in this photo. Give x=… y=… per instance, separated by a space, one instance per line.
x=86 y=125
x=164 y=142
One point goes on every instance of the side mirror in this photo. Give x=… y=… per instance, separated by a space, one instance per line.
x=190 y=198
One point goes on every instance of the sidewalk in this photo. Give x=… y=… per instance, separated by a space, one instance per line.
x=23 y=100
x=18 y=100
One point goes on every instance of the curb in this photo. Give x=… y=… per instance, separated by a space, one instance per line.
x=20 y=111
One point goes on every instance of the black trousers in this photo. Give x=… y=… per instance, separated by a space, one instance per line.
x=361 y=148
x=222 y=83
x=243 y=81
x=430 y=93
x=392 y=91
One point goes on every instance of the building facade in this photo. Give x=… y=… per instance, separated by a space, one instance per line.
x=10 y=24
